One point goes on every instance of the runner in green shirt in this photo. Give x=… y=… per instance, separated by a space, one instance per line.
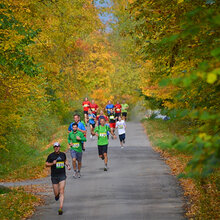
x=75 y=139
x=124 y=110
x=101 y=132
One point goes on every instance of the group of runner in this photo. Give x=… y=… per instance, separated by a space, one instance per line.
x=101 y=126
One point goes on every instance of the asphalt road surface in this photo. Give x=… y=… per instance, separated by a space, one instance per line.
x=138 y=185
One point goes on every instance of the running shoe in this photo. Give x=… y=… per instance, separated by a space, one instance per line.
x=78 y=174
x=57 y=197
x=60 y=211
x=105 y=168
x=122 y=147
x=74 y=174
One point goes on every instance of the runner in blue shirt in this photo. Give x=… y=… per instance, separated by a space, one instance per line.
x=108 y=107
x=92 y=118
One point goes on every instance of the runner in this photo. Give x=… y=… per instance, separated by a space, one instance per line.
x=120 y=124
x=101 y=115
x=92 y=119
x=124 y=110
x=81 y=127
x=101 y=133
x=112 y=120
x=57 y=161
x=117 y=110
x=86 y=105
x=94 y=107
x=75 y=139
x=108 y=107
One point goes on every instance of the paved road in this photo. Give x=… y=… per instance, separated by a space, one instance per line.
x=136 y=186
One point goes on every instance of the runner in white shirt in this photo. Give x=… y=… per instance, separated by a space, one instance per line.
x=121 y=126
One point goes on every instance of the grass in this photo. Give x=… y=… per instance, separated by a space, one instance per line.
x=203 y=194
x=17 y=204
x=29 y=163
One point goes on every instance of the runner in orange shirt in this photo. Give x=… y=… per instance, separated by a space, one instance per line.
x=86 y=106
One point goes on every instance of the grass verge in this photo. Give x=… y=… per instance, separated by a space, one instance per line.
x=34 y=166
x=17 y=204
x=203 y=194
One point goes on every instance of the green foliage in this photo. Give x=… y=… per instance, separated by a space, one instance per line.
x=177 y=45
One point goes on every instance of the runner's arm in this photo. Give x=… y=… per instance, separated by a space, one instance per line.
x=48 y=164
x=67 y=164
x=82 y=137
x=83 y=131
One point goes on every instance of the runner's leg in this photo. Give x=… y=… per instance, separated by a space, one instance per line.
x=56 y=189
x=61 y=190
x=74 y=164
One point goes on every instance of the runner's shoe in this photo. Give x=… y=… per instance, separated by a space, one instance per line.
x=122 y=147
x=78 y=174
x=57 y=197
x=60 y=211
x=74 y=174
x=105 y=168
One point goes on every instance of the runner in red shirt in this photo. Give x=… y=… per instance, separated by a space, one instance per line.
x=117 y=110
x=86 y=106
x=94 y=107
x=101 y=116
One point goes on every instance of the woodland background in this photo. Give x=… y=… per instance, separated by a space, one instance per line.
x=158 y=54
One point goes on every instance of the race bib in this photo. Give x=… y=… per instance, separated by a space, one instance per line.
x=76 y=145
x=102 y=134
x=118 y=109
x=85 y=105
x=120 y=126
x=59 y=165
x=93 y=109
x=112 y=117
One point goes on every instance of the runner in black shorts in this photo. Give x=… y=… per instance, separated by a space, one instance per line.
x=57 y=161
x=102 y=133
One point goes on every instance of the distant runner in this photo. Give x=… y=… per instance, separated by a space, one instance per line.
x=108 y=107
x=101 y=133
x=92 y=122
x=120 y=124
x=117 y=110
x=94 y=107
x=124 y=110
x=101 y=115
x=75 y=139
x=112 y=120
x=57 y=161
x=81 y=127
x=86 y=106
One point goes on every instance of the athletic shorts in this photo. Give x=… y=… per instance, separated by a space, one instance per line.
x=93 y=125
x=124 y=114
x=117 y=114
x=103 y=149
x=77 y=155
x=85 y=112
x=122 y=137
x=112 y=125
x=57 y=179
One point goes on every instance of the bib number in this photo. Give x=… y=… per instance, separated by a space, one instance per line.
x=120 y=126
x=75 y=145
x=102 y=134
x=59 y=165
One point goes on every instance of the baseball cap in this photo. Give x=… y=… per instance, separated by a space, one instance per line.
x=56 y=144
